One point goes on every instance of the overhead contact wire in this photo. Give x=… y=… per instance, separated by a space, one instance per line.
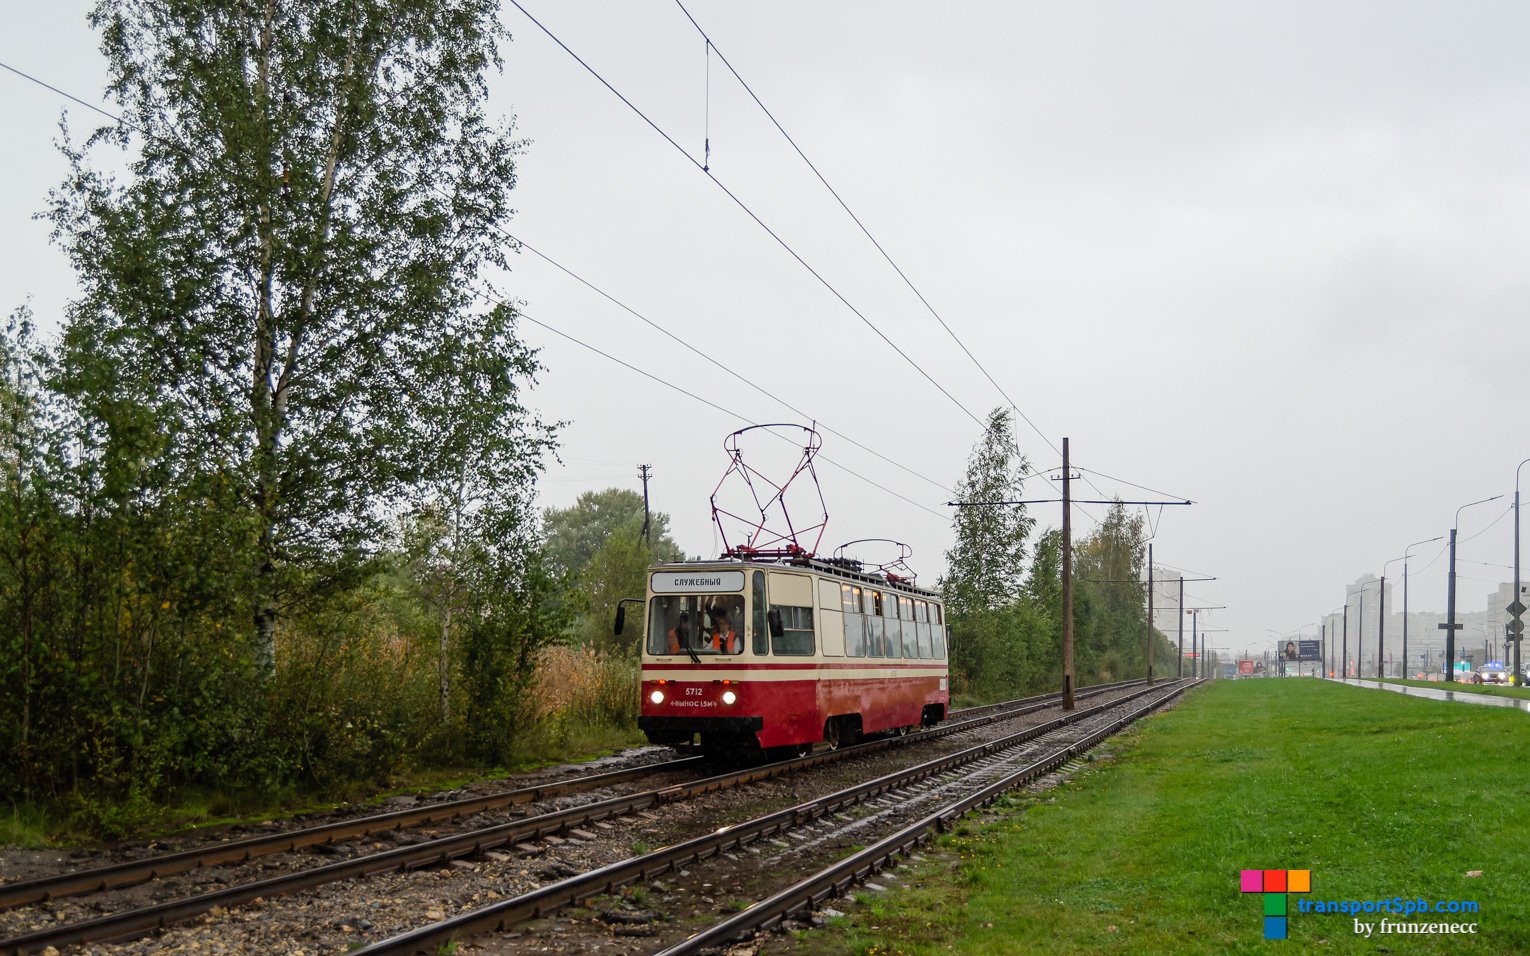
x=711 y=46
x=726 y=411
x=680 y=341
x=751 y=214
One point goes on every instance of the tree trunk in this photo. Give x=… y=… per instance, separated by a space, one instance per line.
x=445 y=661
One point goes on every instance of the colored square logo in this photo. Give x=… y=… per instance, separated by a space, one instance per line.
x=1274 y=885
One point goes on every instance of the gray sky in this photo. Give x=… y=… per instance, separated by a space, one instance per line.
x=1266 y=256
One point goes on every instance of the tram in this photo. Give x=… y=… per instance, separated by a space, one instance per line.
x=778 y=653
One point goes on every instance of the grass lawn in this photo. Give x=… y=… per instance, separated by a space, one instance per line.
x=1492 y=690
x=1377 y=794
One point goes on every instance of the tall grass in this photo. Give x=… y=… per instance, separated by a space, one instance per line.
x=585 y=701
x=588 y=685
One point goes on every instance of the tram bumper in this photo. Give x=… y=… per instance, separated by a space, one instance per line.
x=680 y=730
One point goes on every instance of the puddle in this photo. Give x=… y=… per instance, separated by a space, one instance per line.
x=1434 y=694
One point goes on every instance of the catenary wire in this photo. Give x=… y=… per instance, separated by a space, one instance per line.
x=118 y=119
x=712 y=47
x=710 y=404
x=1489 y=527
x=751 y=214
x=680 y=341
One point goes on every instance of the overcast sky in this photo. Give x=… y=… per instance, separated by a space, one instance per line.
x=1266 y=256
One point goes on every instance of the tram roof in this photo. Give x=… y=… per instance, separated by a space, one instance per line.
x=846 y=569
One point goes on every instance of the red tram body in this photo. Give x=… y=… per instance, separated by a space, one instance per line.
x=782 y=654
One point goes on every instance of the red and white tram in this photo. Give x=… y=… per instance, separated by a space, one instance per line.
x=781 y=653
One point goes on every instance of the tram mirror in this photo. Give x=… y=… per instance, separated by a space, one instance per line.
x=773 y=617
x=621 y=619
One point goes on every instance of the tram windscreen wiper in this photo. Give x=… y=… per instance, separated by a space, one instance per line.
x=686 y=643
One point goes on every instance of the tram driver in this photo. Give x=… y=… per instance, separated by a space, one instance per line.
x=722 y=636
x=680 y=634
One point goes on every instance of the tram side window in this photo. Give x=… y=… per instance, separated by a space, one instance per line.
x=938 y=634
x=855 y=622
x=922 y=625
x=894 y=645
x=760 y=631
x=874 y=629
x=910 y=628
x=796 y=631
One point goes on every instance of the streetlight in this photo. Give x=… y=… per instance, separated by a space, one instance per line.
x=1450 y=627
x=1517 y=607
x=1327 y=647
x=1490 y=633
x=1347 y=594
x=1404 y=559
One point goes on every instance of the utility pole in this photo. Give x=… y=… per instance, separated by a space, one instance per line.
x=1360 y=634
x=643 y=472
x=1516 y=608
x=1381 y=623
x=1067 y=582
x=1181 y=627
x=1150 y=615
x=1450 y=627
x=1323 y=652
x=1195 y=655
x=1344 y=662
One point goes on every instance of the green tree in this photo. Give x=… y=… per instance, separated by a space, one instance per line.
x=574 y=534
x=276 y=294
x=1110 y=568
x=986 y=562
x=617 y=570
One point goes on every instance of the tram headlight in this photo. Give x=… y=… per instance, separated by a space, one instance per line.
x=729 y=697
x=657 y=697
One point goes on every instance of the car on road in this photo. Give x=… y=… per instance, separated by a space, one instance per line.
x=1493 y=674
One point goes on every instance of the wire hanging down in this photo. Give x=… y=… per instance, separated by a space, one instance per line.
x=706 y=122
x=496 y=301
x=867 y=232
x=752 y=215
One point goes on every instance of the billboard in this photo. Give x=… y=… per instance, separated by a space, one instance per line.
x=1301 y=651
x=1245 y=667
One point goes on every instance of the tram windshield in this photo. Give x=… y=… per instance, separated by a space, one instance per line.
x=696 y=624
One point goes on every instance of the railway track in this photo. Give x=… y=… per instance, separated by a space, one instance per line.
x=129 y=873
x=572 y=890
x=138 y=922
x=838 y=878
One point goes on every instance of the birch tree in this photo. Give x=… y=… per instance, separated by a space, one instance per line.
x=289 y=276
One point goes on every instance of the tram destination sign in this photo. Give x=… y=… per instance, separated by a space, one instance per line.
x=697 y=582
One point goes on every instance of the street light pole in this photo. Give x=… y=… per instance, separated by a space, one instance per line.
x=1406 y=552
x=1450 y=627
x=1067 y=583
x=1517 y=603
x=1195 y=657
x=1182 y=626
x=1344 y=658
x=1150 y=616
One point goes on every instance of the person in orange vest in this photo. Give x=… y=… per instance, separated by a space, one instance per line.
x=723 y=638
x=680 y=633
